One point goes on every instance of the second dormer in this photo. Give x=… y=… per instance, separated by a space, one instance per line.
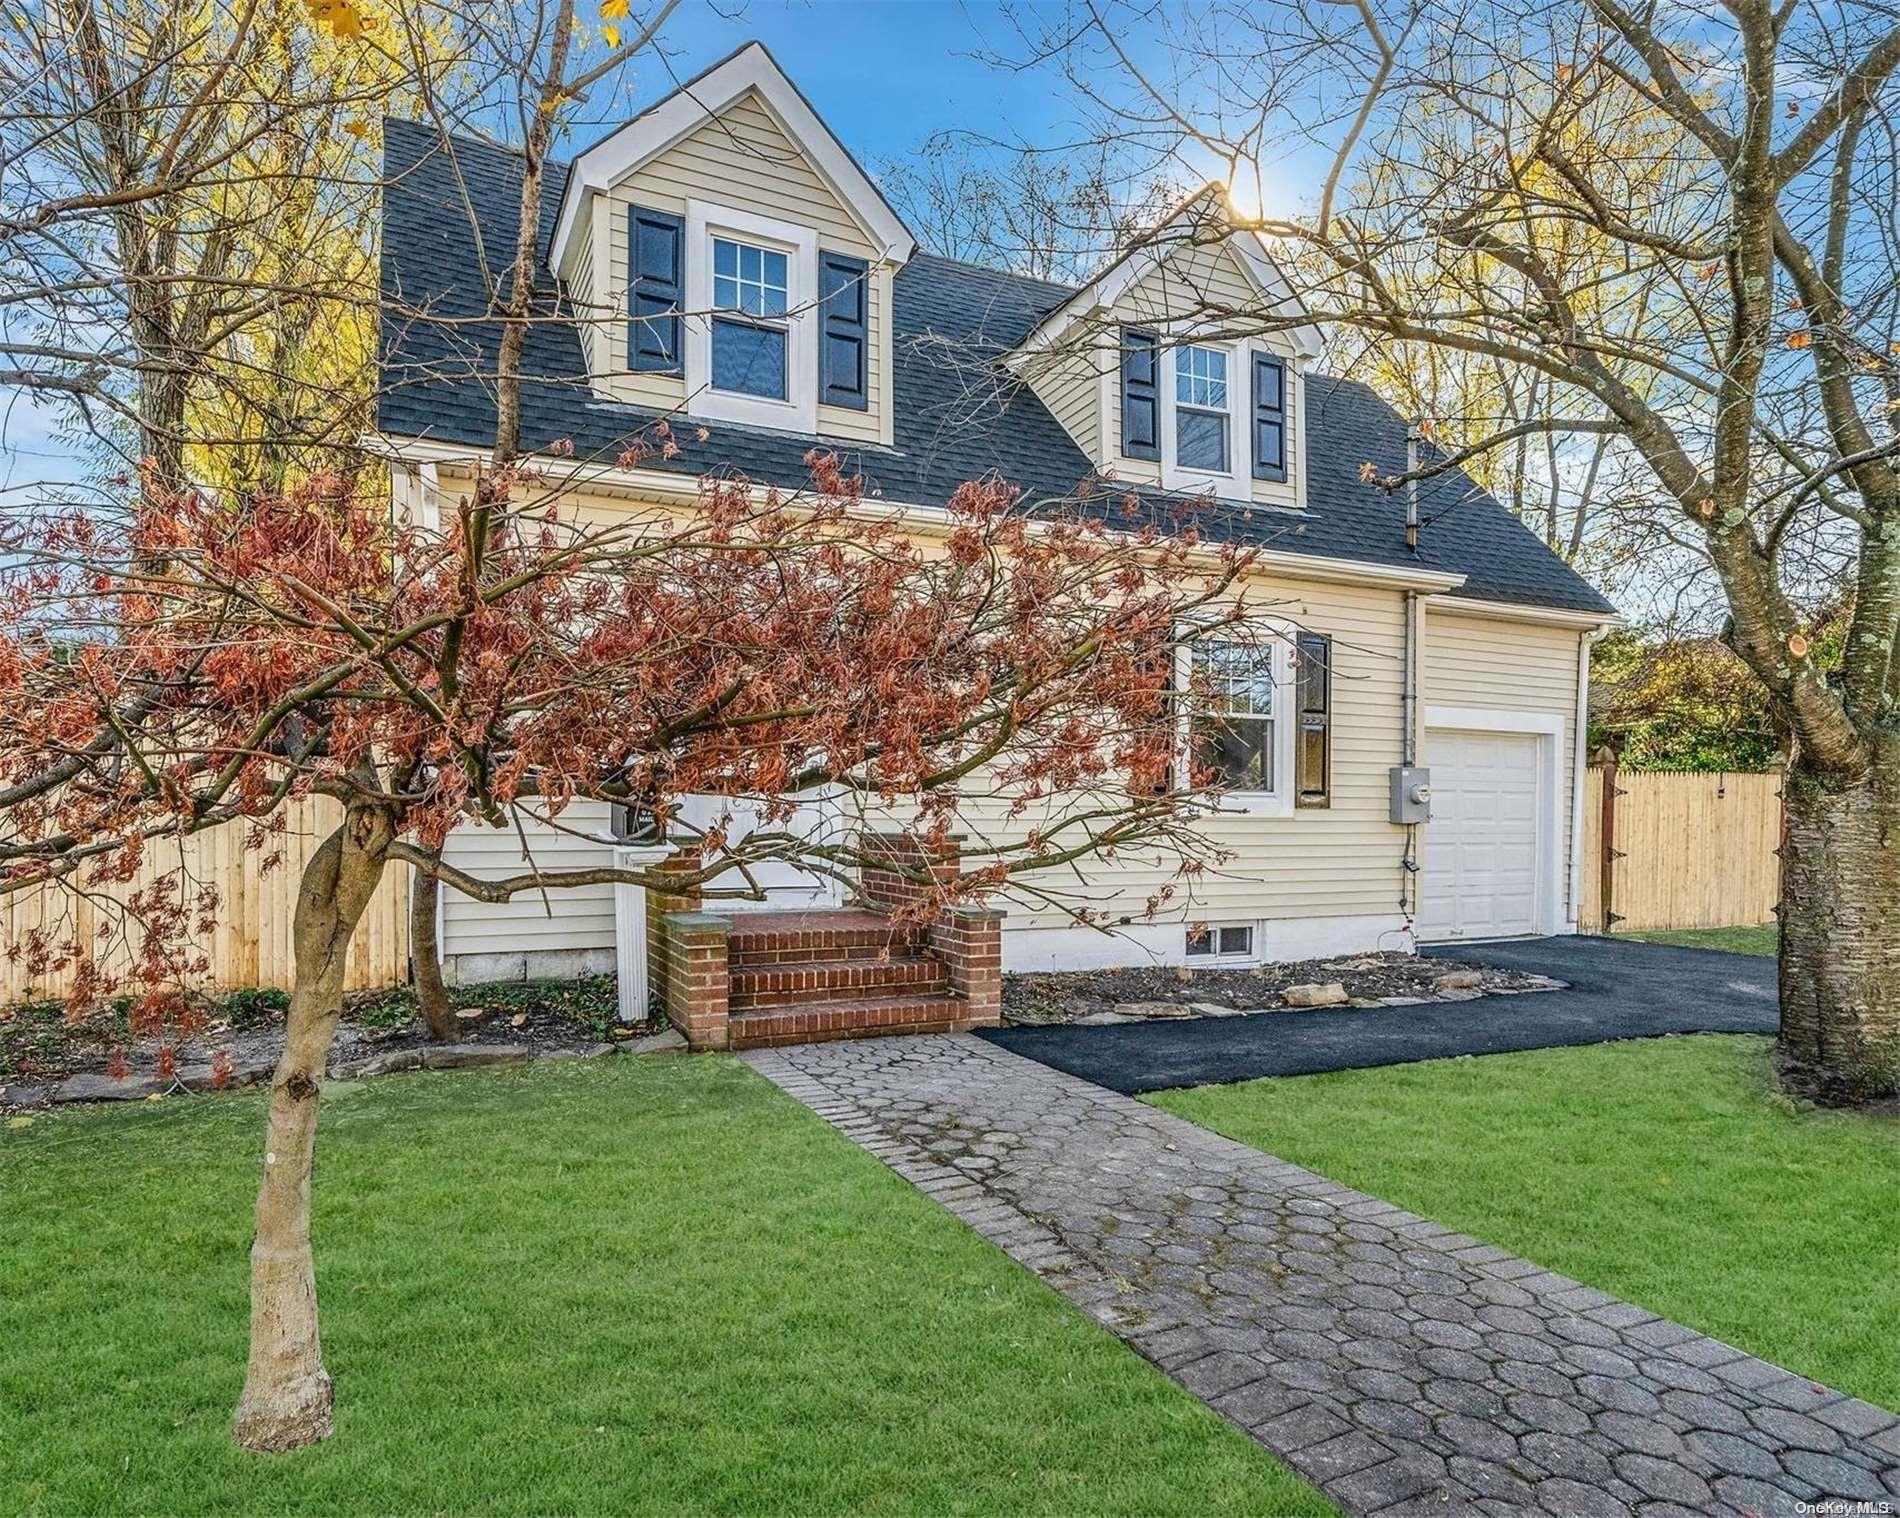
x=727 y=260
x=1183 y=364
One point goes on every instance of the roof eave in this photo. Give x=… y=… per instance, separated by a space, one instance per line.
x=681 y=488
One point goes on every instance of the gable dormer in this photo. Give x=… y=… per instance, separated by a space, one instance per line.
x=729 y=261
x=1159 y=371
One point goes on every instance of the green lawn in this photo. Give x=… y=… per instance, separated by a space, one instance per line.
x=1761 y=940
x=652 y=1286
x=1659 y=1170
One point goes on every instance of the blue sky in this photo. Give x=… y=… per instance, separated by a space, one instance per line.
x=884 y=74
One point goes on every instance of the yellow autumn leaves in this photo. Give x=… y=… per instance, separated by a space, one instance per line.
x=343 y=18
x=612 y=11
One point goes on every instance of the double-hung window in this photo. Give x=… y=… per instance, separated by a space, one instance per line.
x=1200 y=409
x=1233 y=726
x=751 y=299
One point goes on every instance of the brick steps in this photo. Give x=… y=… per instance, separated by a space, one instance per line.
x=863 y=1018
x=749 y=980
x=786 y=983
x=785 y=938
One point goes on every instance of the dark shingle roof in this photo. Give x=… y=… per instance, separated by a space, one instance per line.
x=959 y=416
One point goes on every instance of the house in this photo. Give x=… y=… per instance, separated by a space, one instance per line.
x=1467 y=653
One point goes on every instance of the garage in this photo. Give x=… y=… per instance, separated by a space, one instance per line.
x=1485 y=849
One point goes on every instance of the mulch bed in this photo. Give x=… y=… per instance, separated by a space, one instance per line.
x=48 y=1057
x=1156 y=991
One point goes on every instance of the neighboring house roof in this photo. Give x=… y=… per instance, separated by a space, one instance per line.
x=959 y=413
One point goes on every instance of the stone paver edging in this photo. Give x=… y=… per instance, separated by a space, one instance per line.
x=1400 y=1367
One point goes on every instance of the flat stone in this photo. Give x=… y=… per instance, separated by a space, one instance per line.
x=1403 y=1001
x=671 y=1041
x=1215 y=1009
x=103 y=1088
x=557 y=1055
x=1131 y=1010
x=1458 y=980
x=379 y=1064
x=241 y=1073
x=1102 y=1019
x=1458 y=996
x=474 y=1056
x=1315 y=994
x=27 y=1096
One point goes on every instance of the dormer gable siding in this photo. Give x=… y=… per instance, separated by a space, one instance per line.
x=1191 y=286
x=741 y=160
x=1200 y=282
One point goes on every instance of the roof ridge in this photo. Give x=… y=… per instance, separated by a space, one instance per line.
x=982 y=268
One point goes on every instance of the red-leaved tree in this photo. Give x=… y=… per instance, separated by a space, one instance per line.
x=203 y=660
x=212 y=664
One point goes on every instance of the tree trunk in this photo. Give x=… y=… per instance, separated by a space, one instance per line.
x=287 y=1397
x=432 y=996
x=1840 y=934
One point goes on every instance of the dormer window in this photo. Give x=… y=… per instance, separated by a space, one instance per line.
x=1200 y=409
x=1212 y=415
x=751 y=294
x=752 y=348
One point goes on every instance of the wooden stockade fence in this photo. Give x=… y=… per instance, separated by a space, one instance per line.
x=251 y=945
x=1679 y=851
x=1683 y=851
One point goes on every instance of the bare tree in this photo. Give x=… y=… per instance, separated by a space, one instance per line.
x=1670 y=228
x=187 y=220
x=1057 y=216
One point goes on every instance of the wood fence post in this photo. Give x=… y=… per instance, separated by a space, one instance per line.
x=1606 y=872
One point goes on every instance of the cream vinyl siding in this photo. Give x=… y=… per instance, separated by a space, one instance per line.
x=1193 y=280
x=572 y=917
x=1498 y=665
x=742 y=159
x=1070 y=385
x=1341 y=861
x=583 y=295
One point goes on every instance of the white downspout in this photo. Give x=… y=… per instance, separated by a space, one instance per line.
x=1578 y=760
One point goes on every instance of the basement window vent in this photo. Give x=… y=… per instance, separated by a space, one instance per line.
x=1208 y=941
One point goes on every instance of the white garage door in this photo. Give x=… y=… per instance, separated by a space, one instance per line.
x=1482 y=859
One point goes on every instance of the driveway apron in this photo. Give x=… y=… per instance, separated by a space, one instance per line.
x=1396 y=1365
x=1617 y=989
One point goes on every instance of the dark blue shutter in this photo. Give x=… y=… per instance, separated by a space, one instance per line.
x=655 y=243
x=1141 y=395
x=1269 y=417
x=844 y=331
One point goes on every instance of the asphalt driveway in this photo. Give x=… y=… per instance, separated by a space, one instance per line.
x=1617 y=989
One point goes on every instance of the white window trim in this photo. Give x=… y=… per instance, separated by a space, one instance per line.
x=1277 y=802
x=798 y=412
x=1234 y=481
x=1215 y=957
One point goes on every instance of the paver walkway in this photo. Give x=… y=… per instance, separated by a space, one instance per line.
x=1396 y=1365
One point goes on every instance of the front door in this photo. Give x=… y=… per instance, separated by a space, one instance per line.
x=787 y=887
